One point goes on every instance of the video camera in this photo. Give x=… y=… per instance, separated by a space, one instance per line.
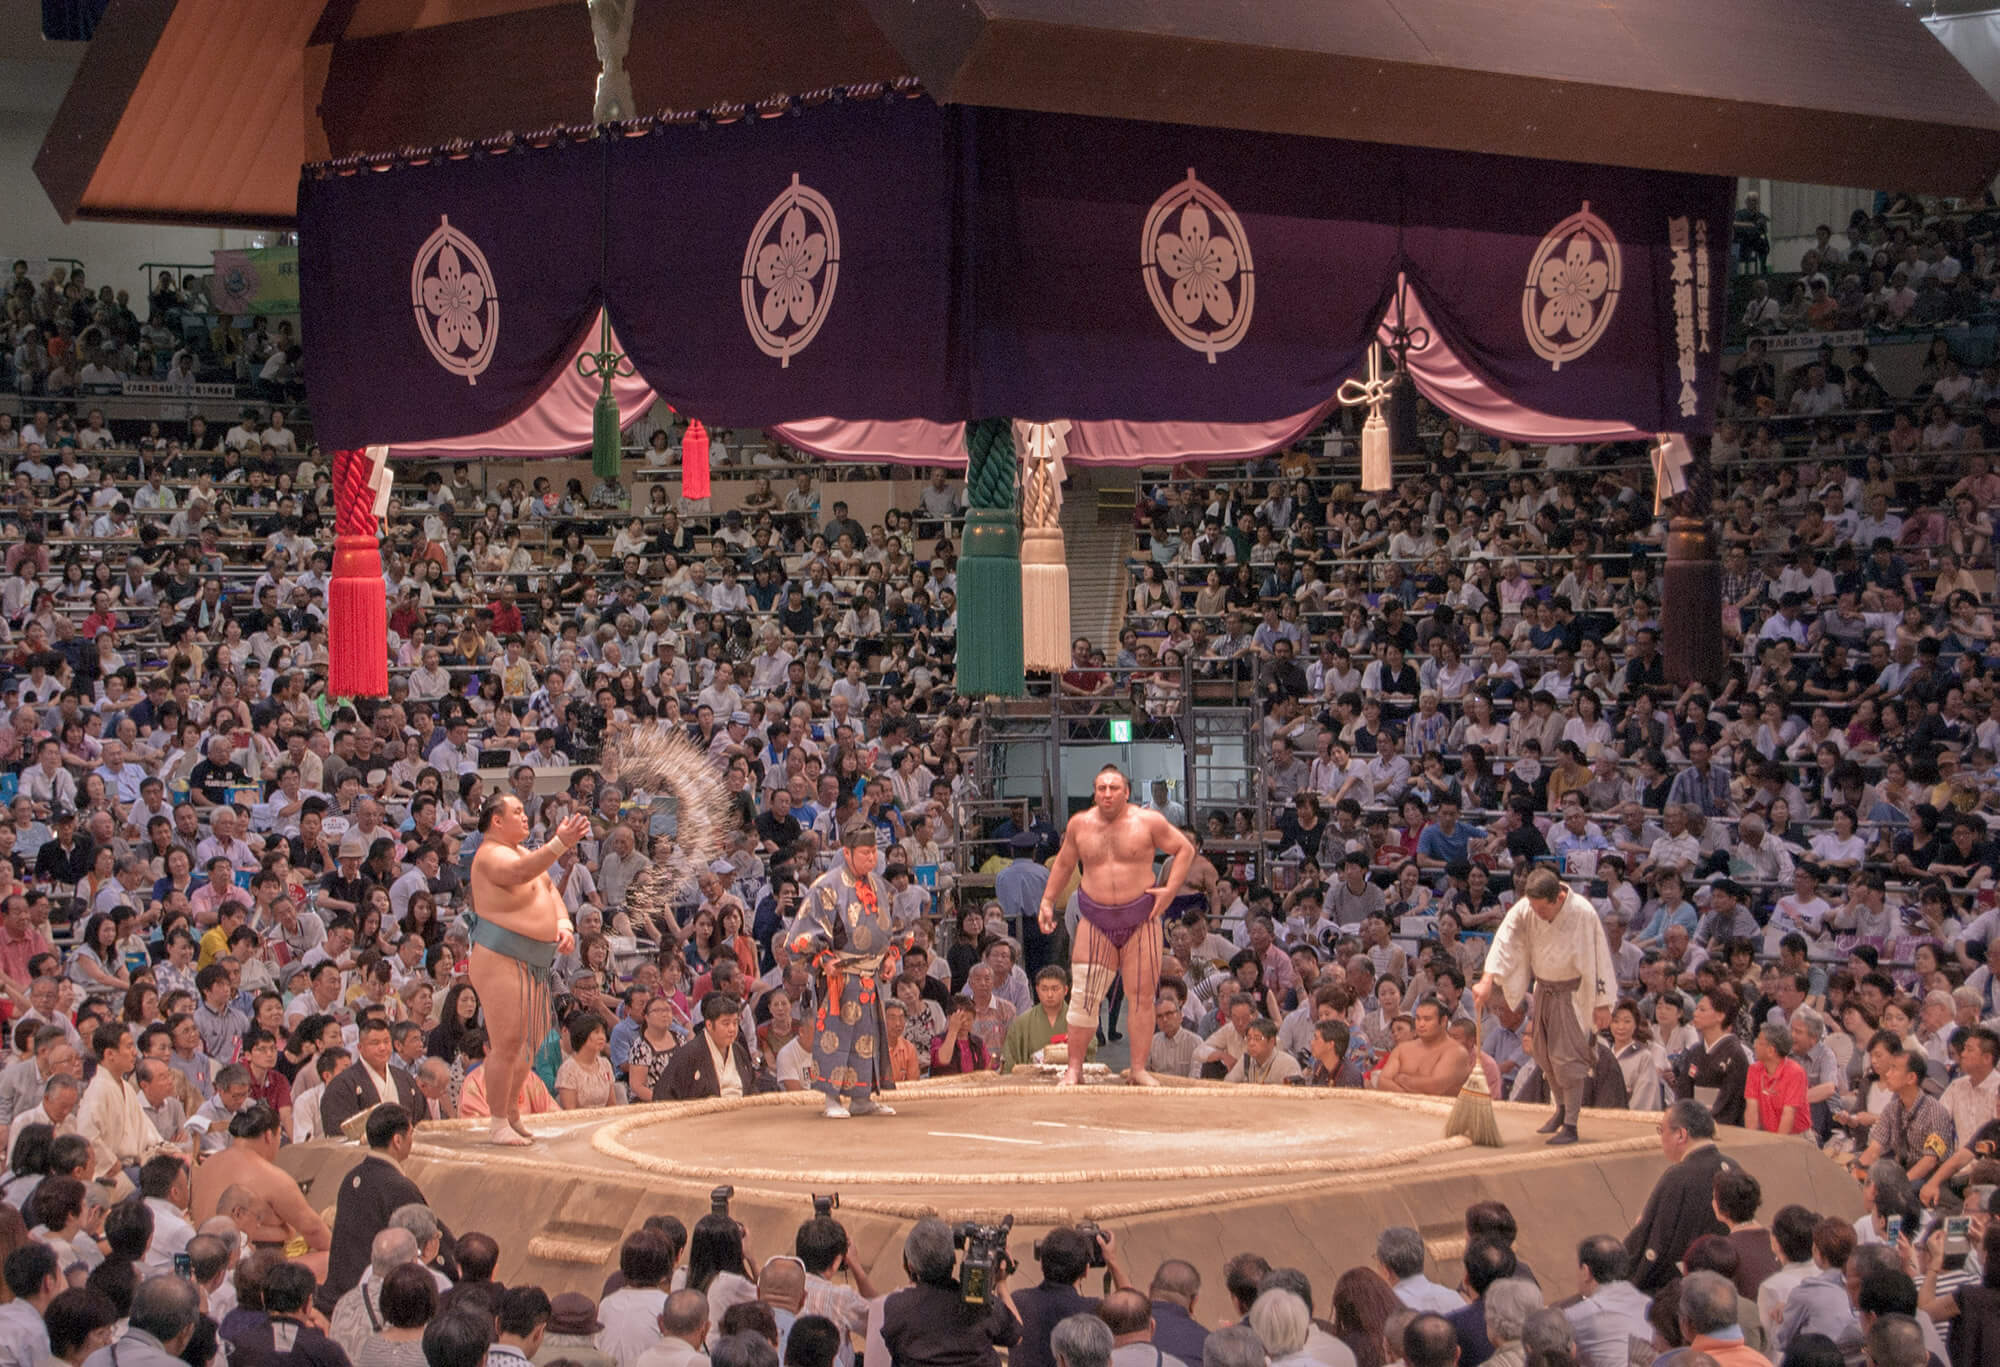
x=586 y=725
x=986 y=1260
x=718 y=1200
x=1093 y=1234
x=825 y=1206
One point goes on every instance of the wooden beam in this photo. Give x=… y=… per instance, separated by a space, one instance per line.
x=534 y=68
x=87 y=120
x=1862 y=96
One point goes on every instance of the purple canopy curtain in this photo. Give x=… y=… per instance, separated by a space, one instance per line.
x=886 y=260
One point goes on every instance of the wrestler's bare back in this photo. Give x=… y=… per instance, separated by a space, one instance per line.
x=237 y=1166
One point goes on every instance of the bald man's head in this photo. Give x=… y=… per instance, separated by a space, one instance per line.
x=392 y=1248
x=1126 y=1313
x=685 y=1316
x=783 y=1284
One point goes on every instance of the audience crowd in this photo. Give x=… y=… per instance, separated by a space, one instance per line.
x=185 y=1270
x=231 y=905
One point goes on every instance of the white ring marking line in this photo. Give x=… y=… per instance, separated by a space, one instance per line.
x=1095 y=1129
x=986 y=1138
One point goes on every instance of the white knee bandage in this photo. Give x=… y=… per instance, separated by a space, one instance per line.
x=1088 y=984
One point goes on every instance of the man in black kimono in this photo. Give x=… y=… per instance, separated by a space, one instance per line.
x=1681 y=1207
x=372 y=1191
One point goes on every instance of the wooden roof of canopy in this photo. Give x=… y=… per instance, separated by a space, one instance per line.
x=202 y=111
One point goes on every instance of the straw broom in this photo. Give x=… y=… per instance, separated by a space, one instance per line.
x=1472 y=1114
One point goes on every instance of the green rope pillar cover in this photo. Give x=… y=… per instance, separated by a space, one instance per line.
x=989 y=566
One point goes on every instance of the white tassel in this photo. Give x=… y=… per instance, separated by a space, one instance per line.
x=1044 y=565
x=1044 y=599
x=1671 y=458
x=1377 y=471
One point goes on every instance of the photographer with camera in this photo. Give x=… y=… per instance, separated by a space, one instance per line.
x=1066 y=1255
x=822 y=1245
x=931 y=1323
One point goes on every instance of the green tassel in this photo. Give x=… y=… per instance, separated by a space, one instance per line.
x=989 y=567
x=604 y=453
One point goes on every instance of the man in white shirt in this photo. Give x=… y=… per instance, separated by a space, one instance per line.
x=166 y=1185
x=794 y=1063
x=1400 y=1252
x=423 y=871
x=1262 y=1061
x=1611 y=1312
x=455 y=754
x=683 y=1324
x=98 y=372
x=1762 y=313
x=1878 y=523
x=243 y=436
x=1971 y=1096
x=822 y=1245
x=1817 y=395
x=24 y=1340
x=277 y=436
x=633 y=1315
x=156 y=1091
x=726 y=592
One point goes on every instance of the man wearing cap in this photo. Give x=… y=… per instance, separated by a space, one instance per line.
x=341 y=890
x=848 y=931
x=732 y=740
x=66 y=858
x=1019 y=888
x=571 y=1333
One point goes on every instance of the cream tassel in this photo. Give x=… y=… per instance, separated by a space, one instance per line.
x=1671 y=458
x=1377 y=470
x=1377 y=467
x=1045 y=633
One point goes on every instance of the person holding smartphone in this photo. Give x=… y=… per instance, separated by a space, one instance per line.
x=1956 y=1268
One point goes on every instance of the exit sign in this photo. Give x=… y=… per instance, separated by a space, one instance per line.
x=1121 y=730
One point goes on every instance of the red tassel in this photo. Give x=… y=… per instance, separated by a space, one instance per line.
x=357 y=604
x=694 y=461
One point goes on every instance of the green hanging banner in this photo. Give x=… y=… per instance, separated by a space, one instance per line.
x=989 y=566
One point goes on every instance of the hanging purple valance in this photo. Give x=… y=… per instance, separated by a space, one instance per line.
x=889 y=259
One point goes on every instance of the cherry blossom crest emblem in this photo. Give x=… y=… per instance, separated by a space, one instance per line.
x=1572 y=288
x=1196 y=261
x=790 y=268
x=455 y=302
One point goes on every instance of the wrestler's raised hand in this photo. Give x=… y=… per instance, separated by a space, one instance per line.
x=1047 y=919
x=574 y=830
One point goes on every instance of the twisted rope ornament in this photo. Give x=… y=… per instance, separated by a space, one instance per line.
x=989 y=464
